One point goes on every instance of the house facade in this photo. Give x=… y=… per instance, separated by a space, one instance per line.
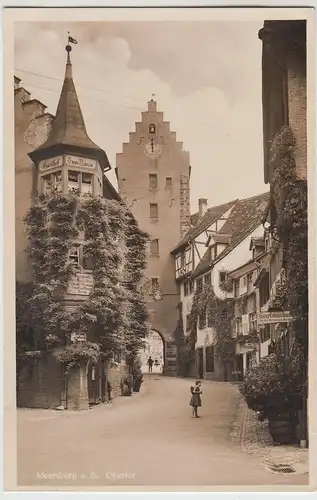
x=284 y=99
x=216 y=244
x=252 y=340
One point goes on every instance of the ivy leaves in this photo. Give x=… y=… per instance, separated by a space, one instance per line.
x=114 y=316
x=219 y=313
x=290 y=201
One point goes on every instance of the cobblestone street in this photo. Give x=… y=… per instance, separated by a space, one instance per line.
x=148 y=439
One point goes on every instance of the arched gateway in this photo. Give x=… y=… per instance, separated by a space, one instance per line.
x=163 y=350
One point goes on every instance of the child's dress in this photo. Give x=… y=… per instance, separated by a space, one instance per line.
x=195 y=399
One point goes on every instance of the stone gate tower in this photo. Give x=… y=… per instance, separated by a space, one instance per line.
x=153 y=174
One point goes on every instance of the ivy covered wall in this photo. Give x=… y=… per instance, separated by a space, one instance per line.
x=114 y=316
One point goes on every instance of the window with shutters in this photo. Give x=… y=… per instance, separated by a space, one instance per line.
x=239 y=326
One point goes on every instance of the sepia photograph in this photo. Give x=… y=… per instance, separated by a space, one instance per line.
x=160 y=230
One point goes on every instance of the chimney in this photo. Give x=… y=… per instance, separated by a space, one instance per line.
x=202 y=206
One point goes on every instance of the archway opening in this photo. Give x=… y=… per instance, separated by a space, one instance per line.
x=154 y=350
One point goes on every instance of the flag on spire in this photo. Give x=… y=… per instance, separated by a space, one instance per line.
x=71 y=39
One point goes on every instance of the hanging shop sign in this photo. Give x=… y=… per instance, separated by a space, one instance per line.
x=271 y=318
x=78 y=337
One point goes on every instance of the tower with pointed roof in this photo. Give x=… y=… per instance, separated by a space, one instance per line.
x=153 y=172
x=55 y=154
x=69 y=159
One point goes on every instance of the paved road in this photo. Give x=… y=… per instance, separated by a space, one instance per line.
x=148 y=439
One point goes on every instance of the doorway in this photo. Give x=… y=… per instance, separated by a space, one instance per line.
x=200 y=362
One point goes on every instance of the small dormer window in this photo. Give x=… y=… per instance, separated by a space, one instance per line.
x=152 y=129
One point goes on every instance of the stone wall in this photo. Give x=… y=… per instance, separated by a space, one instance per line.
x=41 y=383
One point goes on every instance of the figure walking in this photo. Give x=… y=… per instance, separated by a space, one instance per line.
x=150 y=363
x=195 y=400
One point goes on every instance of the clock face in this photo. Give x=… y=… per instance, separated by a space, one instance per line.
x=152 y=148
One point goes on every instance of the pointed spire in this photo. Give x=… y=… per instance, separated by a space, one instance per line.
x=69 y=68
x=68 y=134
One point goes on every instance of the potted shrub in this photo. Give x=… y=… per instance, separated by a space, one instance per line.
x=272 y=388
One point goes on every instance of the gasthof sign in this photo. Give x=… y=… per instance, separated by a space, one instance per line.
x=270 y=318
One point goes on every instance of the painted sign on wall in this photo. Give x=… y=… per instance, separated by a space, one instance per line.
x=80 y=284
x=76 y=161
x=78 y=337
x=51 y=163
x=270 y=318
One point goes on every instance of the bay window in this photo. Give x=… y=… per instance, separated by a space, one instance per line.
x=52 y=183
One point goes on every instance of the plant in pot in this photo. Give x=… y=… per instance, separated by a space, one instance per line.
x=273 y=389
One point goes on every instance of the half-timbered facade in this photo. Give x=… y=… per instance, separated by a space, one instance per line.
x=217 y=243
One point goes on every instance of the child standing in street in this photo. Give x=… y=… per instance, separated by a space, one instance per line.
x=195 y=400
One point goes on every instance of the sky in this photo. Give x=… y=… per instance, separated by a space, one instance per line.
x=206 y=77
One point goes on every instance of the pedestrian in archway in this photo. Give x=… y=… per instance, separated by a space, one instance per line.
x=150 y=363
x=156 y=363
x=195 y=400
